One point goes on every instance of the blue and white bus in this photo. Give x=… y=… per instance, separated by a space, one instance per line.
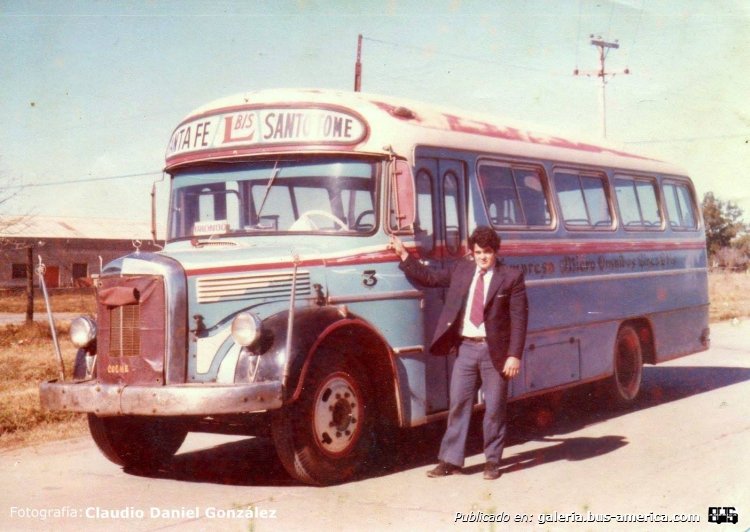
x=276 y=299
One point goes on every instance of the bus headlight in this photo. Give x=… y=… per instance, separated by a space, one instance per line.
x=246 y=328
x=82 y=331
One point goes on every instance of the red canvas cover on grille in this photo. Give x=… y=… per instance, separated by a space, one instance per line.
x=131 y=328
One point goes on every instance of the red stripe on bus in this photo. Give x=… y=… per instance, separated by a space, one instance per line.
x=471 y=126
x=232 y=152
x=508 y=248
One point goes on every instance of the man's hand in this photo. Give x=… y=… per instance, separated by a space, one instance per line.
x=398 y=247
x=512 y=367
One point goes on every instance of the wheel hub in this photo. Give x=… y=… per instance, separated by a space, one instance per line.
x=337 y=412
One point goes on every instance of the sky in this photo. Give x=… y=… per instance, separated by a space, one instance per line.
x=91 y=90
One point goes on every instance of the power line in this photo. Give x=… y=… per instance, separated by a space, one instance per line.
x=637 y=31
x=578 y=30
x=450 y=54
x=688 y=139
x=611 y=16
x=89 y=180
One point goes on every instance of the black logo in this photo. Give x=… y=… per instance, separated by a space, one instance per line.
x=722 y=514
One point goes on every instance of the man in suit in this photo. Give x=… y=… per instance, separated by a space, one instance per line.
x=484 y=317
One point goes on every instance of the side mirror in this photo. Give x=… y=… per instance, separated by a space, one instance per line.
x=154 y=240
x=153 y=211
x=404 y=195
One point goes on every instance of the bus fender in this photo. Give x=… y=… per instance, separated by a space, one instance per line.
x=313 y=328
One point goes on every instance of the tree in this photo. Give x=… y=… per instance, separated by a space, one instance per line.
x=732 y=259
x=723 y=221
x=742 y=243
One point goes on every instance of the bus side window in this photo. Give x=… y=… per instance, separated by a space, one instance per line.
x=637 y=199
x=680 y=210
x=583 y=200
x=500 y=195
x=514 y=196
x=596 y=201
x=533 y=199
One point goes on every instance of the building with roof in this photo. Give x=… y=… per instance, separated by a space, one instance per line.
x=71 y=248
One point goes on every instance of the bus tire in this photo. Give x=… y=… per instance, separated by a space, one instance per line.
x=136 y=442
x=625 y=382
x=327 y=434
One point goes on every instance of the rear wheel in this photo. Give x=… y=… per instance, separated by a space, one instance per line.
x=625 y=382
x=135 y=441
x=326 y=435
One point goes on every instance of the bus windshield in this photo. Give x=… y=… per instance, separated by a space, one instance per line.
x=323 y=195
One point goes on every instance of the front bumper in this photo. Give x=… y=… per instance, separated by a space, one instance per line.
x=174 y=400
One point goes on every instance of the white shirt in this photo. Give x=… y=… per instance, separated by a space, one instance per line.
x=468 y=328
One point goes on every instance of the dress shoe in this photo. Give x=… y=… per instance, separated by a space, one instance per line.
x=443 y=469
x=492 y=471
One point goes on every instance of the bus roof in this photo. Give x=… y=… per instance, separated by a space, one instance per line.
x=278 y=121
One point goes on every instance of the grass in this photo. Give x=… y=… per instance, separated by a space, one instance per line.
x=27 y=357
x=79 y=300
x=730 y=296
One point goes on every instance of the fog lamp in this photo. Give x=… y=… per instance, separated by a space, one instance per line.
x=82 y=331
x=246 y=328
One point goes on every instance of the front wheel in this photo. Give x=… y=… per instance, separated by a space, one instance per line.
x=134 y=441
x=625 y=382
x=326 y=435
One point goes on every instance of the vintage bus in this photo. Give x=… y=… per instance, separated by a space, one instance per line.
x=277 y=303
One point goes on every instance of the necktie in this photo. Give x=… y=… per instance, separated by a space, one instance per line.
x=477 y=301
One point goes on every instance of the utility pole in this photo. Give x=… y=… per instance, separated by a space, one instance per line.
x=604 y=48
x=30 y=284
x=358 y=66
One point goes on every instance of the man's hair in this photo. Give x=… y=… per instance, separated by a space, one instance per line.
x=484 y=237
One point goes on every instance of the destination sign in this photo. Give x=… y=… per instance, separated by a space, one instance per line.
x=262 y=127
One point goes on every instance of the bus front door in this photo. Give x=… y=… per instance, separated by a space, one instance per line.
x=440 y=234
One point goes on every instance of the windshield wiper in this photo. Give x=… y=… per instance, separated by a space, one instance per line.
x=274 y=174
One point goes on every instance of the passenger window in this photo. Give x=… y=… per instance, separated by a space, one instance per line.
x=423 y=226
x=680 y=210
x=596 y=201
x=649 y=204
x=514 y=196
x=583 y=200
x=639 y=206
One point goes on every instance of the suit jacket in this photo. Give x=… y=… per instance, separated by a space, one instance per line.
x=505 y=310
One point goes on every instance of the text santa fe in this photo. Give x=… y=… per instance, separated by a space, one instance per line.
x=259 y=127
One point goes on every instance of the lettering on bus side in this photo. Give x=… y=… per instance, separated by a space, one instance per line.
x=604 y=263
x=536 y=268
x=572 y=264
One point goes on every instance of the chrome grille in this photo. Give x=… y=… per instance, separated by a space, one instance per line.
x=124 y=331
x=251 y=286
